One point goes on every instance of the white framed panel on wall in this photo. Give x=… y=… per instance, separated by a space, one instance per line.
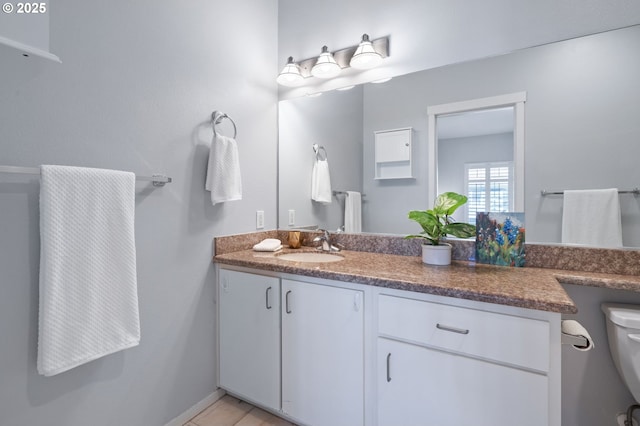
x=393 y=152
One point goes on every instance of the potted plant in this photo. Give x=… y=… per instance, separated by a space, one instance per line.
x=437 y=223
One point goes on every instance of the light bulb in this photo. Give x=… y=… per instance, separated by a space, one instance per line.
x=326 y=66
x=290 y=74
x=365 y=56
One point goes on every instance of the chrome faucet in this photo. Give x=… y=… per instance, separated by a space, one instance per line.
x=325 y=238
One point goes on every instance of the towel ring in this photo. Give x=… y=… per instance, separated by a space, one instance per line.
x=217 y=117
x=317 y=148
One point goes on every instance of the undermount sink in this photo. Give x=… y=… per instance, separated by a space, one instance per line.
x=311 y=256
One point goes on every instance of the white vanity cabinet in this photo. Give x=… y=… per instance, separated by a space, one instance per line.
x=322 y=354
x=449 y=365
x=300 y=340
x=249 y=336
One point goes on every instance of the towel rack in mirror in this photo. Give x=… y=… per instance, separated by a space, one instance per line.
x=345 y=193
x=218 y=116
x=317 y=148
x=635 y=191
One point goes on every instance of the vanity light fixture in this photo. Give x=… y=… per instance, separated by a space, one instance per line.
x=365 y=56
x=290 y=74
x=326 y=66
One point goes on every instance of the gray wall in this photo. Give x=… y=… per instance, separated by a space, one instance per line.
x=135 y=91
x=454 y=153
x=580 y=126
x=429 y=33
x=310 y=120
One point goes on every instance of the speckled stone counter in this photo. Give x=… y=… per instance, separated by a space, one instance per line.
x=394 y=262
x=523 y=287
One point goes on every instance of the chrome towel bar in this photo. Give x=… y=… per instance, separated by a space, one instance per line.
x=157 y=180
x=635 y=191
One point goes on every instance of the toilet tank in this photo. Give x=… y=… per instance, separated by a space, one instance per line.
x=623 y=331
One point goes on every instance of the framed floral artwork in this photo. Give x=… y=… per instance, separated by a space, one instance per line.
x=500 y=238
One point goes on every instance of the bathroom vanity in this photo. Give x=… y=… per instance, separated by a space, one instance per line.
x=379 y=339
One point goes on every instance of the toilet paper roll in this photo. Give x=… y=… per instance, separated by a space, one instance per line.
x=575 y=329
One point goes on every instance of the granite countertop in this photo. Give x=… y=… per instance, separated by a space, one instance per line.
x=532 y=288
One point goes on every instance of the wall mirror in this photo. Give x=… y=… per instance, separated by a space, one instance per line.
x=581 y=131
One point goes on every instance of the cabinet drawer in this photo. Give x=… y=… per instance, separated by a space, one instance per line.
x=503 y=338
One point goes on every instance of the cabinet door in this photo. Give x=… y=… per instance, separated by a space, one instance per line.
x=249 y=339
x=424 y=387
x=322 y=354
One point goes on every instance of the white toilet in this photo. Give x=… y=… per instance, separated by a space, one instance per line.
x=623 y=330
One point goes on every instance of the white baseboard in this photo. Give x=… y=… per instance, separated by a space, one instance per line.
x=191 y=412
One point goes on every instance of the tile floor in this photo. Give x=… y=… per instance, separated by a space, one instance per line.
x=230 y=411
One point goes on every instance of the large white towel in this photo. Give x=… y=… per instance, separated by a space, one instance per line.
x=88 y=288
x=321 y=182
x=223 y=171
x=353 y=212
x=592 y=217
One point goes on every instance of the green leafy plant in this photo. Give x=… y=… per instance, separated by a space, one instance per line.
x=438 y=223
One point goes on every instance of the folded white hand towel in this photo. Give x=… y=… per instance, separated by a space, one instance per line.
x=353 y=212
x=223 y=171
x=583 y=208
x=88 y=289
x=574 y=328
x=321 y=182
x=268 y=244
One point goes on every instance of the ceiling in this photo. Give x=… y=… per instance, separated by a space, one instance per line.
x=475 y=123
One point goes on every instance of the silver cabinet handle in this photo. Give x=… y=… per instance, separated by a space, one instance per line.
x=286 y=299
x=452 y=329
x=388 y=367
x=267 y=298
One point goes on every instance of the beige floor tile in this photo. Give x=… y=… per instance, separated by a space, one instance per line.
x=258 y=417
x=227 y=411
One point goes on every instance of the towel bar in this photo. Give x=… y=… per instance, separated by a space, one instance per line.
x=628 y=191
x=336 y=193
x=157 y=180
x=317 y=148
x=218 y=116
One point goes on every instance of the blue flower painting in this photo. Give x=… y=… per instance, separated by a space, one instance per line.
x=500 y=239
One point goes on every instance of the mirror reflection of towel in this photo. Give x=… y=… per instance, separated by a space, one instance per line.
x=592 y=217
x=321 y=182
x=353 y=212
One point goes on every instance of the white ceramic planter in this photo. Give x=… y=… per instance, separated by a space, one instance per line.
x=436 y=255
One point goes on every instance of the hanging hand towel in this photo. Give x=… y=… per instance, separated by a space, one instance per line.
x=353 y=212
x=223 y=171
x=592 y=217
x=321 y=182
x=88 y=289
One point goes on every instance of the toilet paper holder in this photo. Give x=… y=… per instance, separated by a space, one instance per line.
x=568 y=339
